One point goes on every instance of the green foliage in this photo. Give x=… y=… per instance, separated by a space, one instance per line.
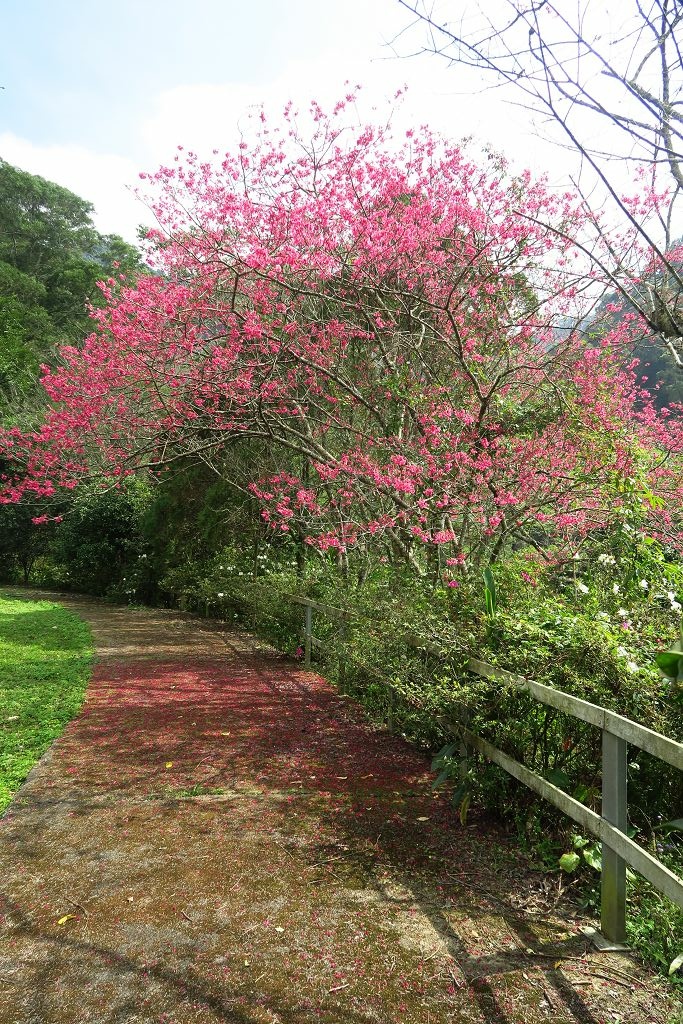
x=99 y=547
x=670 y=663
x=569 y=861
x=490 y=594
x=448 y=765
x=45 y=658
x=587 y=850
x=654 y=926
x=51 y=257
x=22 y=543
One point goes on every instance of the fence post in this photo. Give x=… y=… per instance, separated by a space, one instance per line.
x=614 y=810
x=307 y=636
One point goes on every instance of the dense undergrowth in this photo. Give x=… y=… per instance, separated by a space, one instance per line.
x=45 y=658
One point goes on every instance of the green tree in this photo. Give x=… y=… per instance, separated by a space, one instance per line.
x=99 y=542
x=51 y=257
x=21 y=541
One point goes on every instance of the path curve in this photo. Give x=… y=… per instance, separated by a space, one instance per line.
x=230 y=841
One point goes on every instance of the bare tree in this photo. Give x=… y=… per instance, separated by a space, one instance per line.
x=610 y=78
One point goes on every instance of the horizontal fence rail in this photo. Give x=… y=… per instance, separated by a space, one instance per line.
x=653 y=742
x=648 y=866
x=610 y=827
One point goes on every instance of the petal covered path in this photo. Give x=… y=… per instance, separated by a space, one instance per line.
x=221 y=837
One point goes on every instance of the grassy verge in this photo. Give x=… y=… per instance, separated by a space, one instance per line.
x=45 y=658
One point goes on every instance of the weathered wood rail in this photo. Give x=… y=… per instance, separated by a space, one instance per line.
x=611 y=826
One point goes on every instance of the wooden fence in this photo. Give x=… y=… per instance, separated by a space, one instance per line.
x=611 y=826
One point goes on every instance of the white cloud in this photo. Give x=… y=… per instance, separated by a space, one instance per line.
x=207 y=116
x=204 y=117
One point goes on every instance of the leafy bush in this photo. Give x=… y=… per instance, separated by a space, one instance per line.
x=99 y=547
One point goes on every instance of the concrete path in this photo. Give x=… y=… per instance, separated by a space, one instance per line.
x=220 y=837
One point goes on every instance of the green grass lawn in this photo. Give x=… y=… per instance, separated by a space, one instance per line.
x=45 y=659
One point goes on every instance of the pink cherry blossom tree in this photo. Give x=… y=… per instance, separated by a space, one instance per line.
x=395 y=330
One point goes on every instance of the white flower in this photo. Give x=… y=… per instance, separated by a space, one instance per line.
x=607 y=559
x=644 y=585
x=582 y=588
x=220 y=595
x=603 y=615
x=615 y=588
x=623 y=613
x=670 y=594
x=631 y=666
x=622 y=652
x=676 y=607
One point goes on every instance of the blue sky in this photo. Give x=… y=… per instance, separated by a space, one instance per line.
x=94 y=92
x=83 y=72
